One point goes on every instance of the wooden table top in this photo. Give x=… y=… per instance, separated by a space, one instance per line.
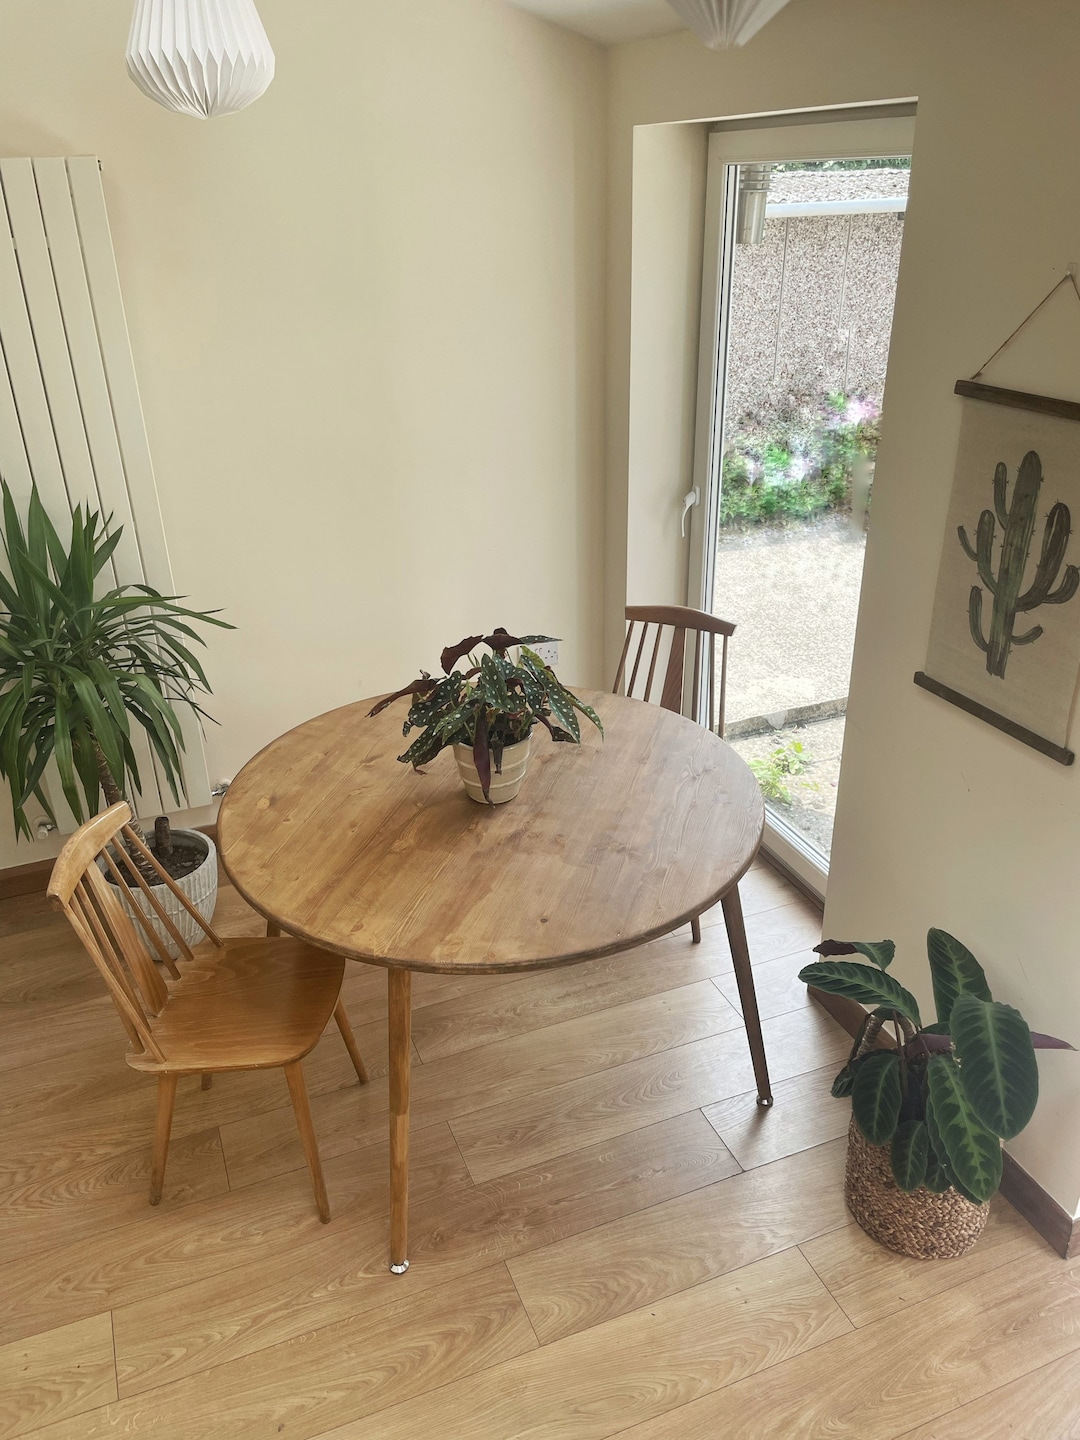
x=608 y=845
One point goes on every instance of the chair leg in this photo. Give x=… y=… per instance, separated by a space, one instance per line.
x=744 y=977
x=166 y=1099
x=207 y=1080
x=273 y=930
x=347 y=1035
x=695 y=929
x=294 y=1074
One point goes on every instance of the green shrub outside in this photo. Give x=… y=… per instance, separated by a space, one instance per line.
x=797 y=462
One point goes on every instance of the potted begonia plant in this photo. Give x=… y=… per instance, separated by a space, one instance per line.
x=488 y=711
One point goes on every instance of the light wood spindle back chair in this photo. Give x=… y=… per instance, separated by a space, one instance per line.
x=237 y=1004
x=641 y=684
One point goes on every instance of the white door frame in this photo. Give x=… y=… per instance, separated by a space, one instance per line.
x=729 y=148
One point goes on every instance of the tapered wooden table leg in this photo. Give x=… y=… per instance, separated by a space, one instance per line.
x=400 y=1006
x=744 y=977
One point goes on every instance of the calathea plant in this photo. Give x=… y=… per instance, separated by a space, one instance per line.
x=492 y=704
x=946 y=1096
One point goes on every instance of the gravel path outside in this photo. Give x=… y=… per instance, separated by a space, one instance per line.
x=793 y=593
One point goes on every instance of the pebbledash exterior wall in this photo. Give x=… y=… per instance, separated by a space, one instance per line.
x=812 y=305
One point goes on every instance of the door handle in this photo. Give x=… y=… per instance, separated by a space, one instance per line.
x=690 y=499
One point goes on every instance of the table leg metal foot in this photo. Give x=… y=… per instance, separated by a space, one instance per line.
x=400 y=998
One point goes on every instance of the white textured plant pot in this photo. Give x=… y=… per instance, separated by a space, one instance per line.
x=505 y=784
x=200 y=887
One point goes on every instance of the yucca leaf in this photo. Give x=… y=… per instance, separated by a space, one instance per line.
x=154 y=723
x=971 y=1152
x=110 y=691
x=86 y=765
x=104 y=552
x=65 y=762
x=42 y=755
x=876 y=1096
x=908 y=1154
x=865 y=983
x=954 y=971
x=998 y=1069
x=100 y=722
x=161 y=744
x=153 y=695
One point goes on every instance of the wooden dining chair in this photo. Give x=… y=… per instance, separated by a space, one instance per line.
x=685 y=631
x=238 y=1004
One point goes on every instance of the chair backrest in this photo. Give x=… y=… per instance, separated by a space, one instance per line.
x=682 y=622
x=79 y=889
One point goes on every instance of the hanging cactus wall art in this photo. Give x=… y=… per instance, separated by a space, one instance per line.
x=1006 y=584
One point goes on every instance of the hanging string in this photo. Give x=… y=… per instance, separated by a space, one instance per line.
x=1069 y=278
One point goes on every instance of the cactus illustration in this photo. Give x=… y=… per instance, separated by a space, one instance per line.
x=1018 y=526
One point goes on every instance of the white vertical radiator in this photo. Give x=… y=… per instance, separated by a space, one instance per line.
x=70 y=416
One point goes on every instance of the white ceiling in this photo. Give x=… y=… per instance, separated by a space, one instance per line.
x=608 y=21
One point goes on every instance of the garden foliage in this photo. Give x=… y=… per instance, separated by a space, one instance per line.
x=796 y=462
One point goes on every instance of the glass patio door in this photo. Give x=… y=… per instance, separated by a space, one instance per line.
x=804 y=226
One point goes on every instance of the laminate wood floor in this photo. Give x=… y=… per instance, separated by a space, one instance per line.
x=608 y=1237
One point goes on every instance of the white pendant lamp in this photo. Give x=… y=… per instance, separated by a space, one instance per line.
x=719 y=24
x=199 y=57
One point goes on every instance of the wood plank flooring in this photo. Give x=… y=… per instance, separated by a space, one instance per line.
x=608 y=1237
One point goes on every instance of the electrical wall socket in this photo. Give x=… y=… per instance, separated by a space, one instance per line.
x=548 y=650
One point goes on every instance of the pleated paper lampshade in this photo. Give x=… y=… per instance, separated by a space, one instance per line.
x=199 y=57
x=722 y=23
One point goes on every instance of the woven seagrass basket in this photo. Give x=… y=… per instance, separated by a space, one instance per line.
x=921 y=1224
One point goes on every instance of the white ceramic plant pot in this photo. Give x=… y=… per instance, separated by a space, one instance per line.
x=200 y=887
x=506 y=783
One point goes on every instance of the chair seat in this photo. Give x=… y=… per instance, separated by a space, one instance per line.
x=253 y=1004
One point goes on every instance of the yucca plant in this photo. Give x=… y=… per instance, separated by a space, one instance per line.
x=492 y=704
x=947 y=1095
x=79 y=663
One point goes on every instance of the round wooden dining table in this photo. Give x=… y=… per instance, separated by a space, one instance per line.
x=610 y=844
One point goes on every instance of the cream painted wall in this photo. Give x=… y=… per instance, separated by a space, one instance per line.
x=668 y=232
x=367 y=317
x=941 y=821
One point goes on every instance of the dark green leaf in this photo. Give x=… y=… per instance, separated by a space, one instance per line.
x=881 y=952
x=998 y=1068
x=954 y=971
x=908 y=1154
x=937 y=1179
x=844 y=1082
x=864 y=983
x=876 y=1095
x=971 y=1152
